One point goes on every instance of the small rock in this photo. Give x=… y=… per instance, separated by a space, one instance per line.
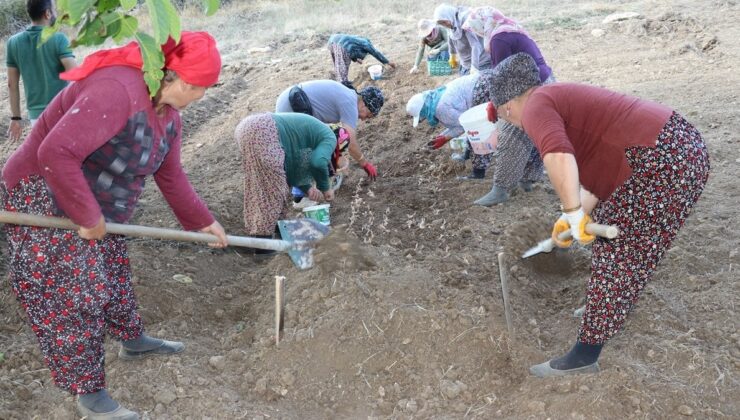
x=219 y=313
x=287 y=378
x=260 y=386
x=449 y=389
x=651 y=353
x=584 y=388
x=536 y=406
x=411 y=406
x=23 y=393
x=615 y=17
x=685 y=410
x=165 y=397
x=406 y=341
x=217 y=362
x=381 y=391
x=598 y=33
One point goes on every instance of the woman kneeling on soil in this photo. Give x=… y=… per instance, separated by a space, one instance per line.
x=279 y=151
x=636 y=164
x=435 y=37
x=517 y=158
x=87 y=159
x=445 y=105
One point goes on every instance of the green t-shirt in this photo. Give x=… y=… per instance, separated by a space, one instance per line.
x=39 y=66
x=308 y=144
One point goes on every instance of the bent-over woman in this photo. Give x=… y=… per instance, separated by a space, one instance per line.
x=87 y=159
x=517 y=160
x=333 y=103
x=631 y=163
x=444 y=105
x=435 y=37
x=465 y=45
x=345 y=49
x=280 y=151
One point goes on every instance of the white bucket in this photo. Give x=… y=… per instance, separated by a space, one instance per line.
x=481 y=132
x=376 y=71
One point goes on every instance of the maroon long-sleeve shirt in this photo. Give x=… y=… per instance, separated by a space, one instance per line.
x=95 y=144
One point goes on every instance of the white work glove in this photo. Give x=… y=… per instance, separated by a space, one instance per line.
x=578 y=220
x=413 y=70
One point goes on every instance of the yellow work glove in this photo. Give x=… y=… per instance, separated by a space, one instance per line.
x=453 y=60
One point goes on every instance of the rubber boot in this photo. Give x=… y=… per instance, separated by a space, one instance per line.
x=100 y=406
x=497 y=195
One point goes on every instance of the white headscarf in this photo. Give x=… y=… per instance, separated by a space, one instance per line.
x=456 y=15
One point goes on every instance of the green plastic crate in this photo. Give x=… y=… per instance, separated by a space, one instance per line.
x=439 y=68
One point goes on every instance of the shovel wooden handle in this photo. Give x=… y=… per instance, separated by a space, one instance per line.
x=603 y=231
x=144 y=231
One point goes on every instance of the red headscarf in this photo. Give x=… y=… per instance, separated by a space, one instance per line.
x=195 y=59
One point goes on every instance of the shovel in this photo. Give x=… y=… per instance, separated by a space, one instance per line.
x=299 y=235
x=604 y=231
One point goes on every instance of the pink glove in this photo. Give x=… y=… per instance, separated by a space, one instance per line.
x=369 y=168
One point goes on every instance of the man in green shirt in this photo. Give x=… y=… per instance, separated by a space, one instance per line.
x=39 y=66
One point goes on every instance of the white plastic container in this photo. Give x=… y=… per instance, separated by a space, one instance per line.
x=376 y=71
x=480 y=132
x=319 y=213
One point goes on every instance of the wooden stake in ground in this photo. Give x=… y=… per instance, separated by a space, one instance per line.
x=279 y=306
x=503 y=274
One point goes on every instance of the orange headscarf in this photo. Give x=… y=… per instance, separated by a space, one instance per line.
x=195 y=59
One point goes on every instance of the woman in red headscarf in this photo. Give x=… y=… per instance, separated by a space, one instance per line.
x=87 y=159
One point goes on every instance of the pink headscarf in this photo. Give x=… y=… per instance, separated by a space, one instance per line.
x=489 y=21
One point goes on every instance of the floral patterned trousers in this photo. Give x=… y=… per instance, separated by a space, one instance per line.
x=73 y=290
x=649 y=209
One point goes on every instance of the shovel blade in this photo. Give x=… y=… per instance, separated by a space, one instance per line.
x=532 y=251
x=302 y=233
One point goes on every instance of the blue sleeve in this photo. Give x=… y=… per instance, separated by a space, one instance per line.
x=368 y=46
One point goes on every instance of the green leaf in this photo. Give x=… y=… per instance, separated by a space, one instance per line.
x=129 y=25
x=127 y=5
x=76 y=9
x=165 y=20
x=2 y=357
x=151 y=52
x=47 y=32
x=210 y=6
x=92 y=33
x=107 y=5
